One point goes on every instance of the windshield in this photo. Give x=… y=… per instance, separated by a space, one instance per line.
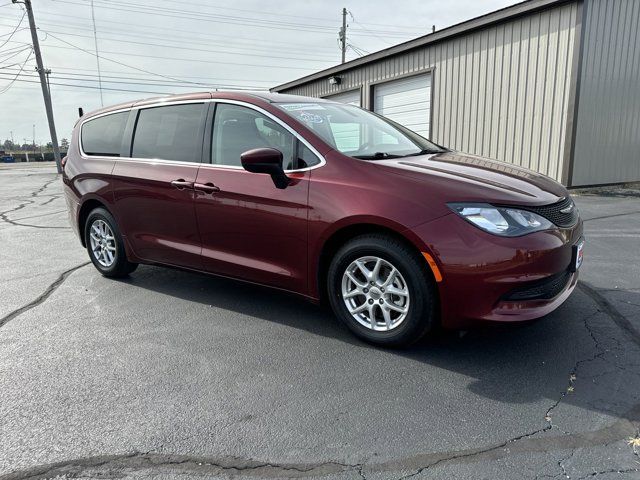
x=359 y=133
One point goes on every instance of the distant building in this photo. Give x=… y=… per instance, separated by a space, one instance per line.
x=552 y=85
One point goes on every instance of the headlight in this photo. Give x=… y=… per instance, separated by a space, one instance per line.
x=503 y=221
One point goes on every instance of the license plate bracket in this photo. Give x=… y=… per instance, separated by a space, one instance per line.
x=577 y=255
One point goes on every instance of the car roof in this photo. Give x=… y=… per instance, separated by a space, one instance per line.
x=245 y=95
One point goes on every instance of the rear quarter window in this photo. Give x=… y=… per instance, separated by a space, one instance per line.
x=103 y=135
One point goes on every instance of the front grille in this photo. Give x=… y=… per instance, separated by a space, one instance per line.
x=554 y=214
x=544 y=289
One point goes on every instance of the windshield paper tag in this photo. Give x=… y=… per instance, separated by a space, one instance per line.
x=310 y=117
x=301 y=106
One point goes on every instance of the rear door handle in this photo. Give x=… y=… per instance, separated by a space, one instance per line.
x=206 y=187
x=181 y=183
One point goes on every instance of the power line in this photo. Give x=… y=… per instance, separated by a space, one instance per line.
x=367 y=30
x=74 y=76
x=330 y=21
x=15 y=29
x=9 y=67
x=10 y=34
x=13 y=54
x=225 y=19
x=129 y=42
x=261 y=47
x=139 y=27
x=182 y=59
x=15 y=78
x=153 y=84
x=127 y=65
x=90 y=87
x=120 y=77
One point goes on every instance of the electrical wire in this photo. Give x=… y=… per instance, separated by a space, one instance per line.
x=139 y=32
x=127 y=65
x=13 y=54
x=121 y=79
x=15 y=29
x=6 y=88
x=129 y=42
x=90 y=87
x=215 y=62
x=153 y=84
x=225 y=19
x=142 y=76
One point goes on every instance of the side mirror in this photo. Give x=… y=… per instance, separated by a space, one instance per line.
x=266 y=160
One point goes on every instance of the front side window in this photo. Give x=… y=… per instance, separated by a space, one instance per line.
x=169 y=133
x=359 y=133
x=237 y=129
x=103 y=135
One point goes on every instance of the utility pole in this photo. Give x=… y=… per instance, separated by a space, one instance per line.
x=342 y=35
x=43 y=82
x=34 y=140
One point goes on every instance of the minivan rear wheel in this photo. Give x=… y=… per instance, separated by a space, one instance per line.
x=105 y=246
x=379 y=287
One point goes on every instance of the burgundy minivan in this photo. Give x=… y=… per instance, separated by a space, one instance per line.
x=325 y=200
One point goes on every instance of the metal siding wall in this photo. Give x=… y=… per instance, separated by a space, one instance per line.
x=607 y=145
x=500 y=92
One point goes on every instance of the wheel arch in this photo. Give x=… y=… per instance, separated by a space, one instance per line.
x=345 y=233
x=85 y=209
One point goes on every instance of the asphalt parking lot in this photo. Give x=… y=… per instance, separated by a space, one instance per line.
x=172 y=374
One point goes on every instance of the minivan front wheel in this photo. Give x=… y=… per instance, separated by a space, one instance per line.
x=379 y=287
x=105 y=245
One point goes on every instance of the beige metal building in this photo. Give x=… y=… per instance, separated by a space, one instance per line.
x=552 y=85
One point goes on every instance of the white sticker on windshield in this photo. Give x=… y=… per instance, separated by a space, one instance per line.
x=310 y=117
x=301 y=106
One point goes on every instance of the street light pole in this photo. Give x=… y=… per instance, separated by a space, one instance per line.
x=43 y=83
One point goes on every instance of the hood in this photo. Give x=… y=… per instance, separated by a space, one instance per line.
x=460 y=177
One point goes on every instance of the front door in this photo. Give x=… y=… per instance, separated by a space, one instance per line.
x=249 y=228
x=153 y=188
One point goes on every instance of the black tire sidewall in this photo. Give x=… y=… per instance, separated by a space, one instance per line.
x=421 y=289
x=121 y=266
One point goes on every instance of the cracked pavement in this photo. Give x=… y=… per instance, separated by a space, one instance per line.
x=172 y=374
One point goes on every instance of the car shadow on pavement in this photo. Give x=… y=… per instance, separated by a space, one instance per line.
x=553 y=358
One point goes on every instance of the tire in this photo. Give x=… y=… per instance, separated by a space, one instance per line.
x=412 y=290
x=106 y=249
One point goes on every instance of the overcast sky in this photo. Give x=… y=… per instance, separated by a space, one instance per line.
x=150 y=47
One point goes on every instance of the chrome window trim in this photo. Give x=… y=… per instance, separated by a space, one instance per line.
x=321 y=158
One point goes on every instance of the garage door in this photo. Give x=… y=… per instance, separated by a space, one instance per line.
x=346 y=135
x=351 y=97
x=406 y=101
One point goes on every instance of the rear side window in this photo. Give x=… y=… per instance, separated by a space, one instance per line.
x=169 y=133
x=103 y=136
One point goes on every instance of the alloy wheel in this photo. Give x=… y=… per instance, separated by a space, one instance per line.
x=375 y=293
x=103 y=243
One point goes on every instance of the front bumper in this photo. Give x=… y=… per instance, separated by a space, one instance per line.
x=491 y=278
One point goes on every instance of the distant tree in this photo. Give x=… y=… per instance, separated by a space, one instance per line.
x=8 y=145
x=49 y=146
x=64 y=144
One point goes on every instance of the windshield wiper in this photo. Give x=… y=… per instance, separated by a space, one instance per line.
x=423 y=152
x=377 y=156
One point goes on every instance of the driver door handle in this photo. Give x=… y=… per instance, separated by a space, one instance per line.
x=181 y=183
x=206 y=187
